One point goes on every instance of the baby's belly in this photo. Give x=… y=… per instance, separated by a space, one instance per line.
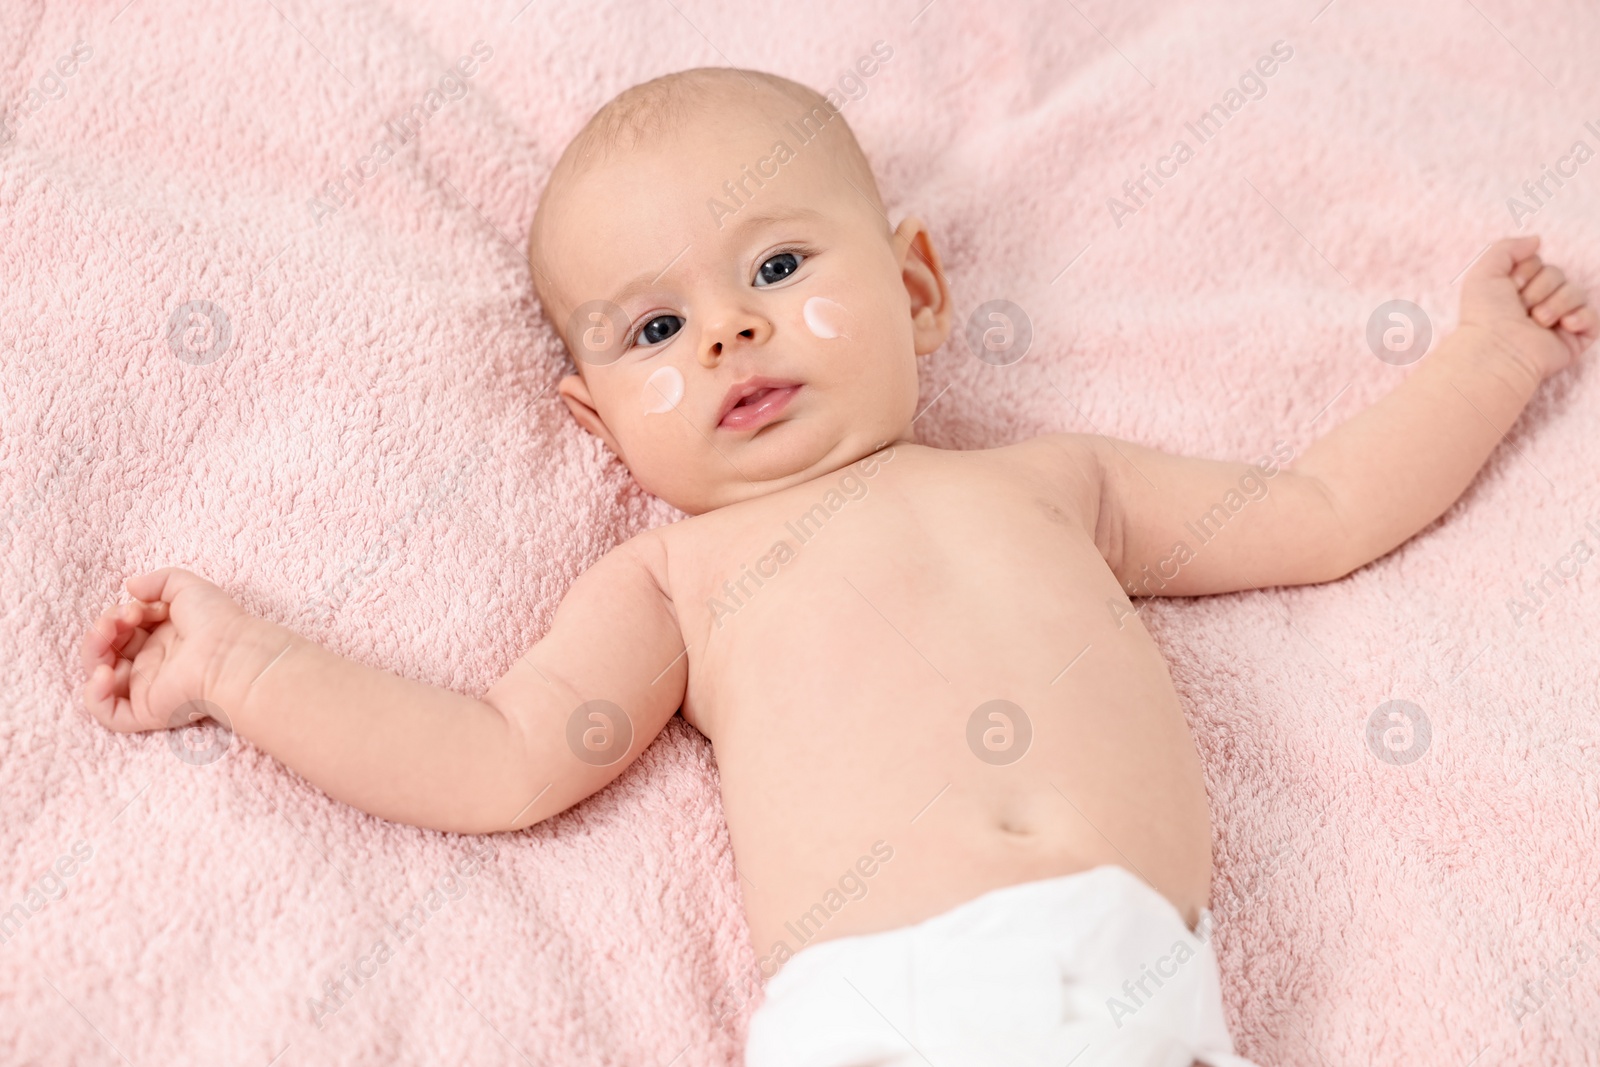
x=863 y=799
x=800 y=888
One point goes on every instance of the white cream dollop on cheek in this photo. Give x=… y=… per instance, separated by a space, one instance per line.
x=825 y=318
x=663 y=390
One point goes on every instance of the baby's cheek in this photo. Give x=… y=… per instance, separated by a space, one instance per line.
x=663 y=390
x=657 y=437
x=826 y=318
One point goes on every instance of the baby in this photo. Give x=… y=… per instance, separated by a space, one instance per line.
x=968 y=815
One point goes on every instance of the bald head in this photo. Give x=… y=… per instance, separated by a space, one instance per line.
x=660 y=111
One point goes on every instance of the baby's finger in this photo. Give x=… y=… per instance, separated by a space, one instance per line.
x=105 y=638
x=1584 y=324
x=136 y=640
x=106 y=702
x=143 y=671
x=1501 y=258
x=95 y=689
x=163 y=585
x=1525 y=270
x=94 y=649
x=153 y=614
x=122 y=631
x=1562 y=302
x=120 y=717
x=1542 y=285
x=122 y=675
x=146 y=618
x=149 y=586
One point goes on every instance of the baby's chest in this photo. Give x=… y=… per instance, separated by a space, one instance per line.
x=839 y=579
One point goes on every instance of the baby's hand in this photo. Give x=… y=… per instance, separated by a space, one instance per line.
x=1544 y=320
x=147 y=660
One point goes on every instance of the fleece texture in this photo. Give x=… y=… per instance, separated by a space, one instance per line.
x=238 y=336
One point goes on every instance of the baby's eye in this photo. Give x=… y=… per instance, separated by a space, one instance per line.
x=659 y=329
x=778 y=267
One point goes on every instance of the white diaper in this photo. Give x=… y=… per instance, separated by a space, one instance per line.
x=1093 y=969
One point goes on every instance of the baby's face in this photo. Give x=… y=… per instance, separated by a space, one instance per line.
x=722 y=362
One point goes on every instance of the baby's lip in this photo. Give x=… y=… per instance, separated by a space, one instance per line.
x=749 y=387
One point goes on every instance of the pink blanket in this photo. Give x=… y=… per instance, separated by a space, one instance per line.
x=264 y=314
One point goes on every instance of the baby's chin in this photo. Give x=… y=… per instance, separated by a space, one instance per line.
x=766 y=465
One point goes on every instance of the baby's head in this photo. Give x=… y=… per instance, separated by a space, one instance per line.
x=714 y=253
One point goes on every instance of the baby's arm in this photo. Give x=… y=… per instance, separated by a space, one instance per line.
x=1368 y=485
x=391 y=746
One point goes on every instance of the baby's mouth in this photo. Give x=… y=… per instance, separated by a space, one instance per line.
x=755 y=402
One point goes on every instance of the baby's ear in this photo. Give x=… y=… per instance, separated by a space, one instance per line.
x=925 y=284
x=575 y=392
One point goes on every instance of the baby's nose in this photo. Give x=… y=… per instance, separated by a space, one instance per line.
x=711 y=352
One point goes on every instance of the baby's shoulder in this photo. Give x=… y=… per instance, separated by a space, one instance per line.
x=1058 y=458
x=1061 y=468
